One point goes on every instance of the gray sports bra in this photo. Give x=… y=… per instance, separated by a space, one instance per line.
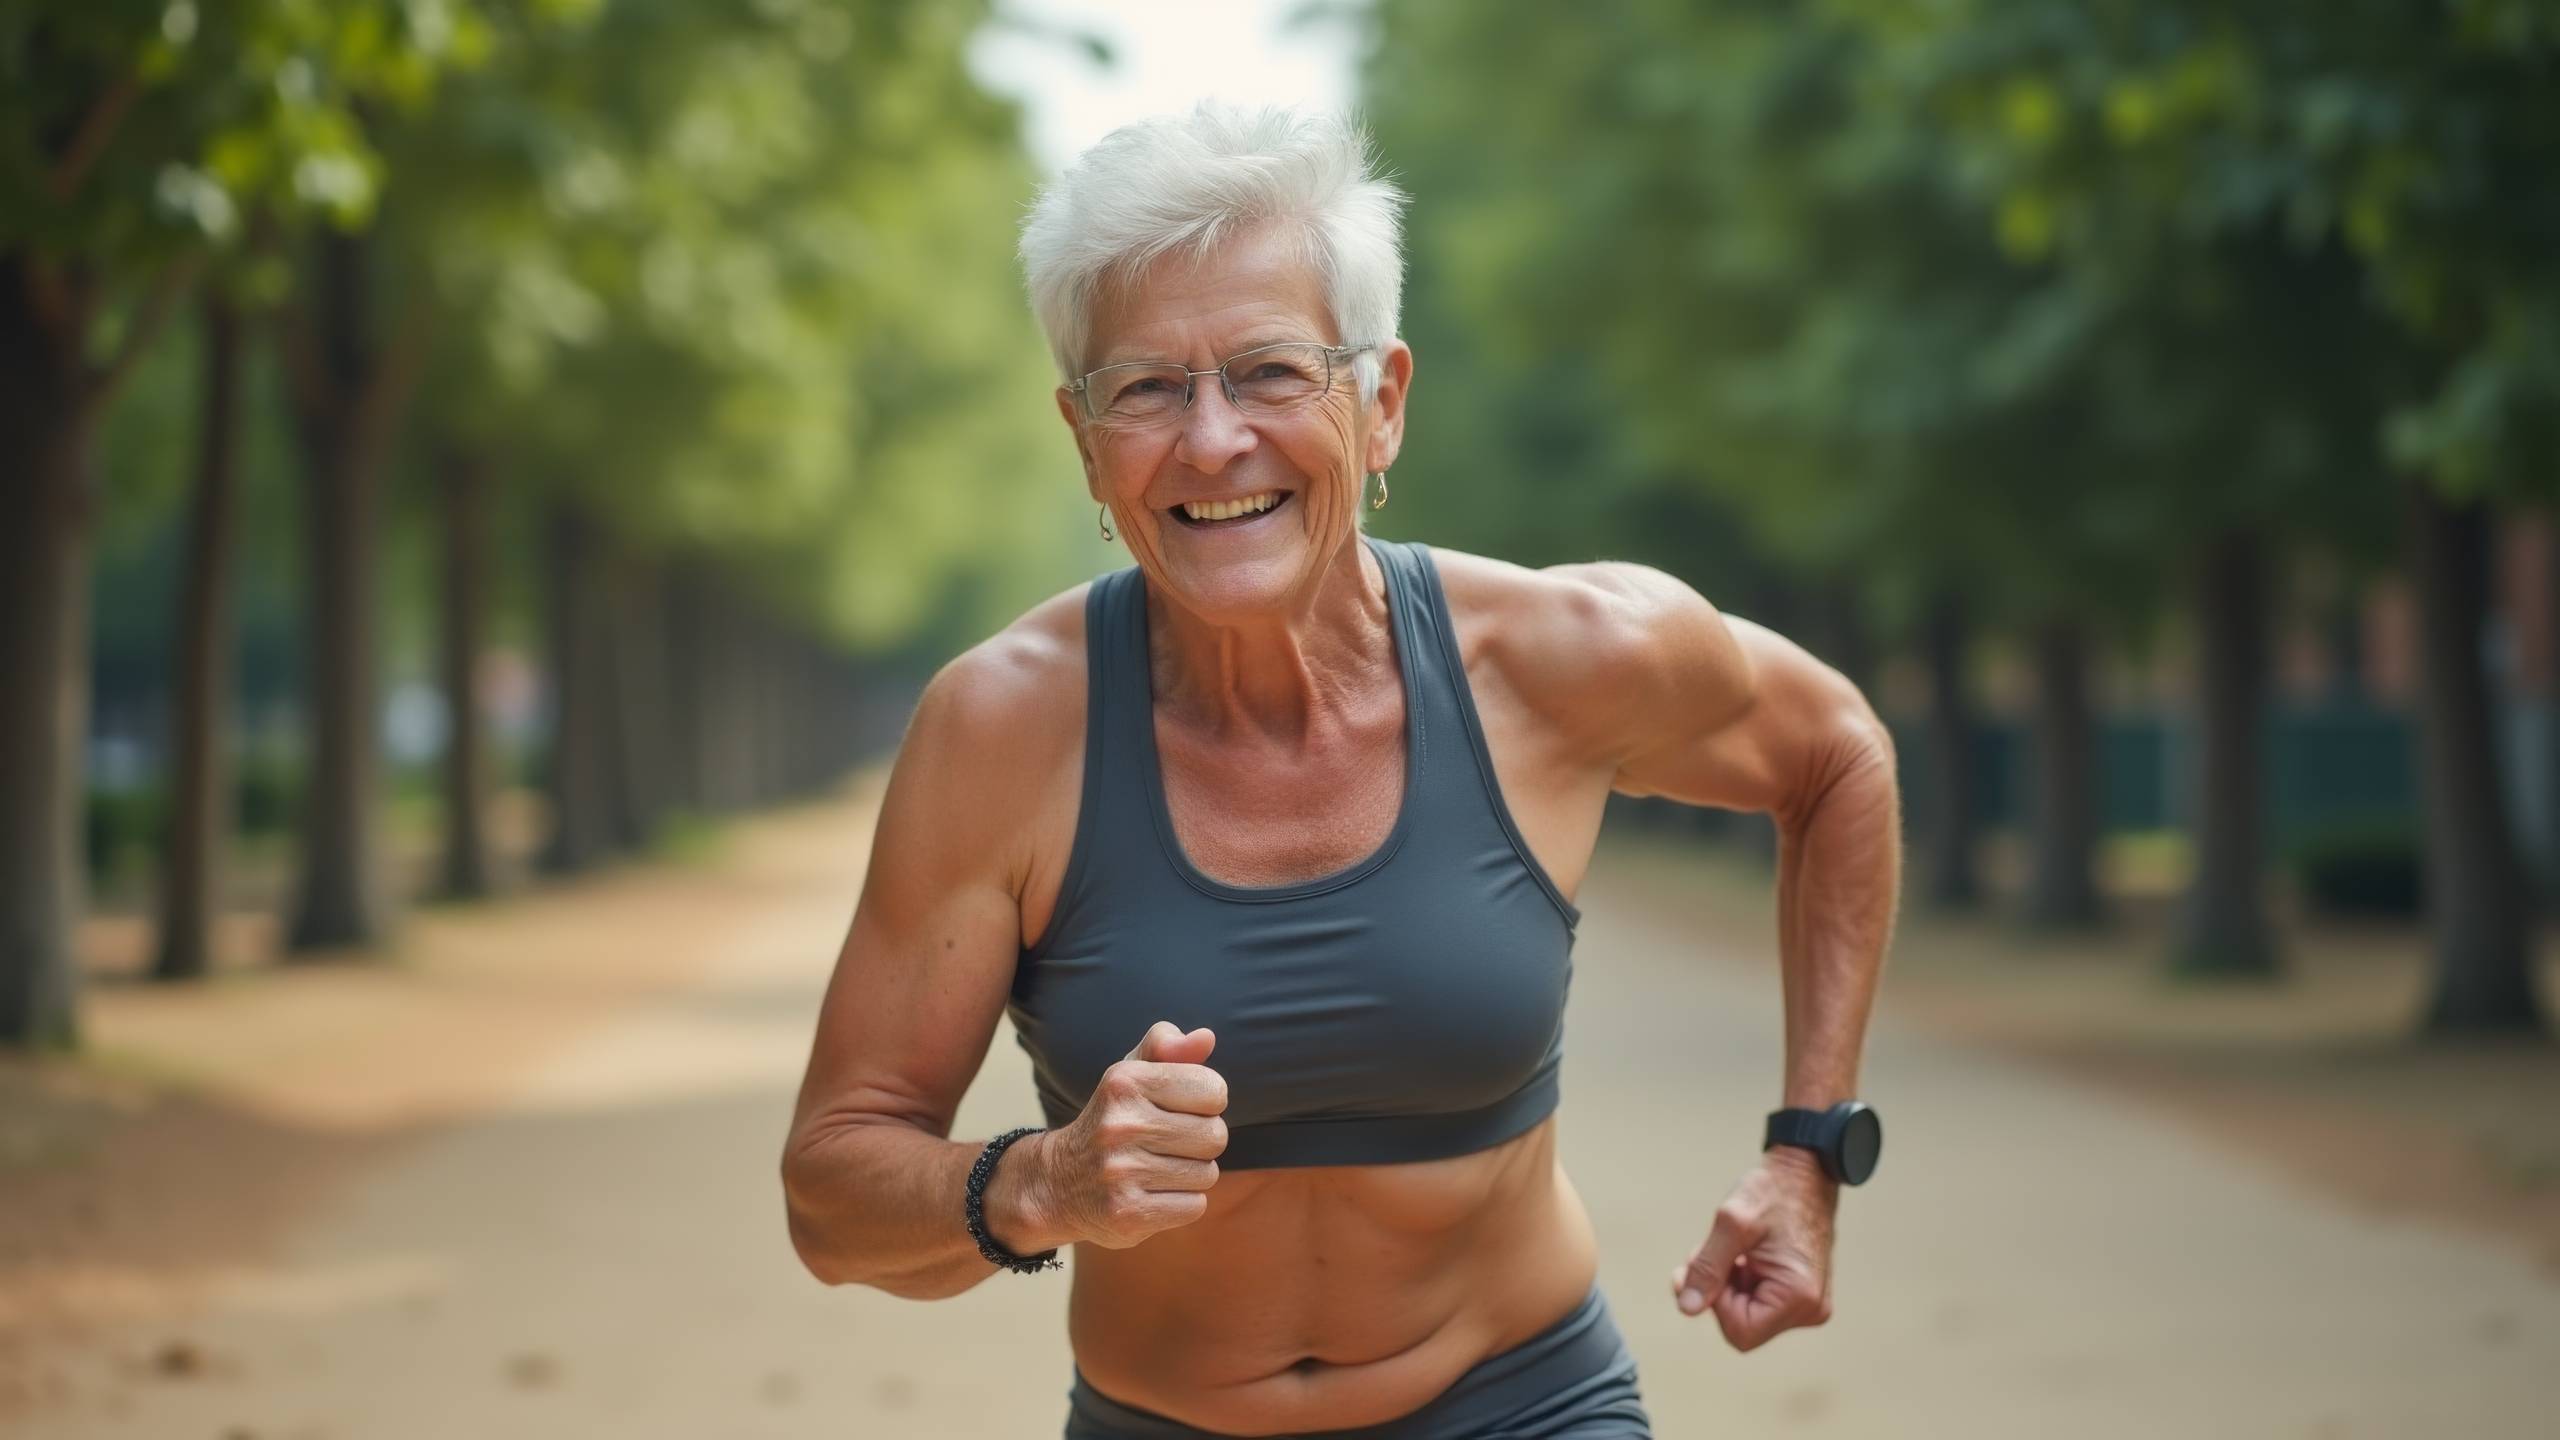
x=1406 y=1007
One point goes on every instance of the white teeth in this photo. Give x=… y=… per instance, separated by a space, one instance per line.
x=1226 y=509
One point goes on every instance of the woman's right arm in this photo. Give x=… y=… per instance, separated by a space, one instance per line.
x=872 y=1183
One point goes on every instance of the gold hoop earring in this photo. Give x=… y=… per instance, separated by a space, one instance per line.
x=1102 y=521
x=1381 y=502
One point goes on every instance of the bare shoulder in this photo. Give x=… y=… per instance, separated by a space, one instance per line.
x=1000 y=722
x=1595 y=647
x=1011 y=675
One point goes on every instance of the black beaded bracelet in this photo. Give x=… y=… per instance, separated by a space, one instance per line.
x=976 y=1208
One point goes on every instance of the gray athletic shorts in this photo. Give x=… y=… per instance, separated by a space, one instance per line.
x=1574 y=1380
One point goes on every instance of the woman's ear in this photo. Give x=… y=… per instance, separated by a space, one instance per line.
x=1068 y=411
x=1385 y=436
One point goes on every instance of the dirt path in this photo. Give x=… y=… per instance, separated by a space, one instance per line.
x=523 y=1184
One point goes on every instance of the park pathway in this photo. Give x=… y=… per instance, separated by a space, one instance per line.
x=595 y=1246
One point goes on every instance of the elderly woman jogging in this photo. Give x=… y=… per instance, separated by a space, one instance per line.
x=1268 y=842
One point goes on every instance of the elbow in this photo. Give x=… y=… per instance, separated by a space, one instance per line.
x=1867 y=764
x=1850 y=771
x=830 y=1268
x=821 y=1243
x=816 y=1213
x=1861 y=746
x=1876 y=742
x=822 y=1263
x=809 y=1239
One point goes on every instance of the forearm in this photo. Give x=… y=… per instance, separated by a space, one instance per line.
x=880 y=1204
x=1839 y=882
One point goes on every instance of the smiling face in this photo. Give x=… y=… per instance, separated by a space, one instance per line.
x=1309 y=462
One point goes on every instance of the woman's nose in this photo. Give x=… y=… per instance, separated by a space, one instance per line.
x=1214 y=431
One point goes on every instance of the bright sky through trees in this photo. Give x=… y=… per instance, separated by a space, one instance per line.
x=1168 y=54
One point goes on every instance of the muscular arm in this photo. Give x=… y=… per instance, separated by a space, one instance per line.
x=1711 y=709
x=871 y=1181
x=1675 y=699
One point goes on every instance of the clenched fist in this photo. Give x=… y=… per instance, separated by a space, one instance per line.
x=1765 y=1267
x=1142 y=1156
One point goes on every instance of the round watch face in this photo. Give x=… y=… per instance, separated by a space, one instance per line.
x=1861 y=1141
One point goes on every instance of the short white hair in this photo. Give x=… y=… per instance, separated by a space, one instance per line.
x=1185 y=183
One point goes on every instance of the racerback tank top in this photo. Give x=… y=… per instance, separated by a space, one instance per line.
x=1406 y=1007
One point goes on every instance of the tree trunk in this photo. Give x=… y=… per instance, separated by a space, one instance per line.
x=199 y=791
x=349 y=388
x=464 y=621
x=637 y=717
x=2347 y=648
x=1954 y=882
x=683 y=601
x=46 y=429
x=2548 y=872
x=2477 y=902
x=2062 y=887
x=580 y=777
x=733 y=711
x=2224 y=930
x=756 y=671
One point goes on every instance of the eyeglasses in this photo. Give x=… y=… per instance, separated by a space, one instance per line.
x=1266 y=380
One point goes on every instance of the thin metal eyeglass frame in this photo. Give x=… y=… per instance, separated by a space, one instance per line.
x=1082 y=385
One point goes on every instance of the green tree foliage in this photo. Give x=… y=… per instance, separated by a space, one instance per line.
x=1758 y=239
x=135 y=139
x=2414 y=140
x=2042 y=302
x=738 y=276
x=2388 y=168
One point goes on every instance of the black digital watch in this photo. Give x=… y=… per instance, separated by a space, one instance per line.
x=1847 y=1137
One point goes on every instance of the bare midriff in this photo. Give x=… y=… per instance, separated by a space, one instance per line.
x=1323 y=1297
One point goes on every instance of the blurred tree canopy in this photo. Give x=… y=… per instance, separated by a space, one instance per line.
x=139 y=143
x=2042 y=313
x=739 y=276
x=2415 y=139
x=731 y=280
x=1759 y=236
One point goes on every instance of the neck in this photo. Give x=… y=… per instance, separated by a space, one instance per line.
x=1276 y=677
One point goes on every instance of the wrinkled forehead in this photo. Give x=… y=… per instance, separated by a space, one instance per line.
x=1199 y=307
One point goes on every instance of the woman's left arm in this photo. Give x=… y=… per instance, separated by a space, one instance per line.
x=1714 y=710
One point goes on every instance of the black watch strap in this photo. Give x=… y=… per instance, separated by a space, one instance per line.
x=1794 y=1126
x=1845 y=1138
